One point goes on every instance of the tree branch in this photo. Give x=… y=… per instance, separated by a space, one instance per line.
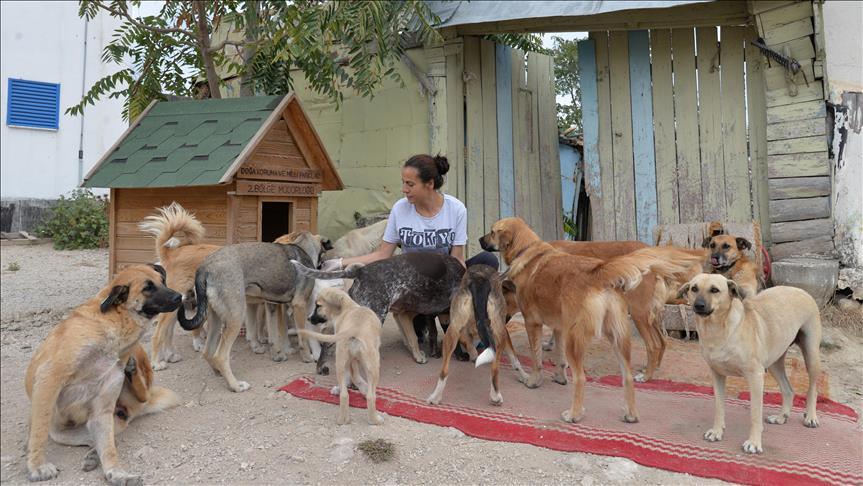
x=221 y=45
x=158 y=30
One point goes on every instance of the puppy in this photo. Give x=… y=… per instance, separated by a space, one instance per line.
x=358 y=341
x=742 y=335
x=360 y=241
x=728 y=259
x=76 y=376
x=178 y=237
x=479 y=306
x=139 y=396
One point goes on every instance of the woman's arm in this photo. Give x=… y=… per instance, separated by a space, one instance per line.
x=458 y=252
x=384 y=251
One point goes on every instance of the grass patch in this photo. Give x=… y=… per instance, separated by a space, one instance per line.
x=848 y=320
x=378 y=450
x=13 y=267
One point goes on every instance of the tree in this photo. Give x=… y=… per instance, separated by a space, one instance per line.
x=566 y=83
x=335 y=44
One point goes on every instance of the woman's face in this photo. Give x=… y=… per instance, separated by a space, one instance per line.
x=413 y=187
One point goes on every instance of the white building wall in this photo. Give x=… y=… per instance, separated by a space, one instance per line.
x=44 y=41
x=843 y=38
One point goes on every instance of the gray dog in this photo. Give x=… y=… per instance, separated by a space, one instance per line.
x=406 y=285
x=259 y=271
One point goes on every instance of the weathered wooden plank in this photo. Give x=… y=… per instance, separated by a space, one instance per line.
x=798 y=165
x=642 y=134
x=759 y=6
x=797 y=111
x=801 y=230
x=756 y=109
x=686 y=114
x=790 y=31
x=663 y=127
x=710 y=125
x=779 y=97
x=506 y=174
x=587 y=68
x=817 y=143
x=474 y=159
x=491 y=201
x=621 y=126
x=455 y=118
x=738 y=194
x=796 y=129
x=206 y=216
x=800 y=48
x=799 y=209
x=799 y=187
x=520 y=135
x=549 y=158
x=779 y=17
x=606 y=218
x=532 y=148
x=774 y=74
x=821 y=245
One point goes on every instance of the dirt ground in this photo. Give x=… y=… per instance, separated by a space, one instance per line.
x=263 y=436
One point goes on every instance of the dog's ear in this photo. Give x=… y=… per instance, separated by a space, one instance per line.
x=508 y=285
x=682 y=291
x=326 y=244
x=715 y=229
x=161 y=270
x=735 y=290
x=743 y=243
x=118 y=295
x=706 y=242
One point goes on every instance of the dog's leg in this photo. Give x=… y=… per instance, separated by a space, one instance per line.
x=222 y=357
x=534 y=339
x=276 y=327
x=343 y=377
x=449 y=343
x=494 y=397
x=756 y=402
x=513 y=359
x=623 y=350
x=41 y=415
x=433 y=344
x=410 y=336
x=299 y=313
x=213 y=337
x=777 y=369
x=371 y=362
x=575 y=355
x=809 y=341
x=559 y=357
x=160 y=343
x=465 y=338
x=101 y=427
x=285 y=321
x=715 y=433
x=252 y=334
x=654 y=343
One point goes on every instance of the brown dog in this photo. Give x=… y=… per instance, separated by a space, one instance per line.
x=76 y=376
x=180 y=256
x=741 y=335
x=579 y=297
x=727 y=258
x=139 y=396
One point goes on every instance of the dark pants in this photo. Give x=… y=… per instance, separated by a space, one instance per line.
x=483 y=258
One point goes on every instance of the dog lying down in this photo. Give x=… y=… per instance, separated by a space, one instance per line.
x=358 y=340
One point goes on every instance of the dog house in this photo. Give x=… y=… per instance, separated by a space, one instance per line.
x=250 y=169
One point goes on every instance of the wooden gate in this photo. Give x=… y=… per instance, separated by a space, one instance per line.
x=670 y=135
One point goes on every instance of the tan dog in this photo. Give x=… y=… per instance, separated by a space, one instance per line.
x=180 y=251
x=76 y=376
x=727 y=258
x=742 y=335
x=578 y=297
x=358 y=341
x=139 y=396
x=360 y=241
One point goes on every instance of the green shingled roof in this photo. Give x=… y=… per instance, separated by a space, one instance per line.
x=183 y=143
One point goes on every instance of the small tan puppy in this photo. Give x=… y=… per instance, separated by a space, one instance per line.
x=742 y=336
x=358 y=341
x=76 y=376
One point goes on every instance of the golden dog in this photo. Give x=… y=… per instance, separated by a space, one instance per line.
x=76 y=376
x=578 y=297
x=139 y=396
x=741 y=335
x=358 y=341
x=727 y=258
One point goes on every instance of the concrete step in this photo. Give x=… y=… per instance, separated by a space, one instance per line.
x=817 y=276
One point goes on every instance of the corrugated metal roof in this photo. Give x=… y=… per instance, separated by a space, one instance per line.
x=184 y=143
x=464 y=12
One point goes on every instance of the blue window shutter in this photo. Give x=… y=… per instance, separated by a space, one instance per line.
x=33 y=104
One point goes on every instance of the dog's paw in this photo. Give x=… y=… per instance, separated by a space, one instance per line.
x=533 y=382
x=548 y=345
x=420 y=357
x=241 y=387
x=568 y=417
x=713 y=435
x=197 y=344
x=343 y=420
x=258 y=348
x=630 y=418
x=174 y=356
x=777 y=419
x=307 y=357
x=559 y=377
x=640 y=377
x=495 y=398
x=334 y=390
x=44 y=472
x=810 y=422
x=91 y=461
x=279 y=356
x=752 y=447
x=160 y=365
x=376 y=419
x=131 y=366
x=122 y=478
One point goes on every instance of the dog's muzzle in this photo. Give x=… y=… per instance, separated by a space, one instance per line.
x=701 y=308
x=486 y=246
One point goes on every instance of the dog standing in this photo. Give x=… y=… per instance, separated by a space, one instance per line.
x=742 y=335
x=76 y=376
x=728 y=259
x=358 y=341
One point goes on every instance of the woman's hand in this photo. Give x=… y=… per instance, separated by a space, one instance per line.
x=384 y=251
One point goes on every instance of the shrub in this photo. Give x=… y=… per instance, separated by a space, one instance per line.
x=77 y=222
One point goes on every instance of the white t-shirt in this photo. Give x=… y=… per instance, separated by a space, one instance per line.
x=439 y=233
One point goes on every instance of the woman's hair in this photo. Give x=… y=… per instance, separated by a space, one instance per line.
x=429 y=168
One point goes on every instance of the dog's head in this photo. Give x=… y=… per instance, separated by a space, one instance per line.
x=724 y=249
x=708 y=293
x=329 y=304
x=509 y=236
x=141 y=291
x=313 y=245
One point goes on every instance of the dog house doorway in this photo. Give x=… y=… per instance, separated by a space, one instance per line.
x=275 y=219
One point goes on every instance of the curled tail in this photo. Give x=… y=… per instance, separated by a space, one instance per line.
x=327 y=338
x=667 y=262
x=351 y=272
x=160 y=399
x=201 y=296
x=172 y=219
x=479 y=291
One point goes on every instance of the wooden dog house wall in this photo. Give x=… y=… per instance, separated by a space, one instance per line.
x=248 y=168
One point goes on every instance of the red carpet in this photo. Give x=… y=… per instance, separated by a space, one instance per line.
x=673 y=417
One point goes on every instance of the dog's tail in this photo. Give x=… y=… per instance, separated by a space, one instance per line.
x=667 y=262
x=479 y=291
x=351 y=272
x=160 y=399
x=165 y=226
x=201 y=296
x=328 y=338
